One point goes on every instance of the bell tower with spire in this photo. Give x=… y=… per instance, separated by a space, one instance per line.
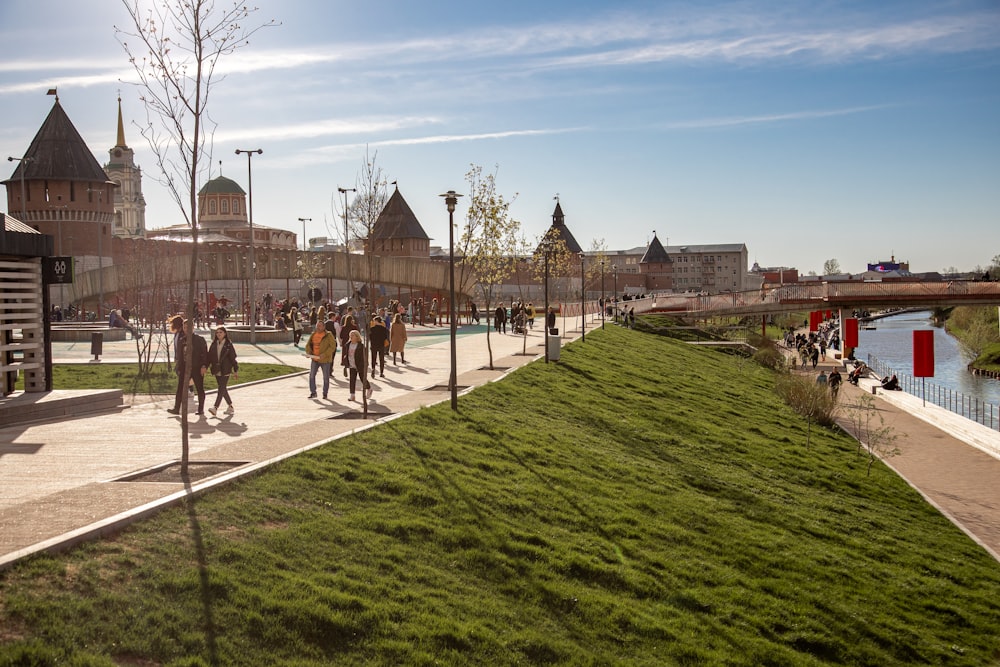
x=130 y=205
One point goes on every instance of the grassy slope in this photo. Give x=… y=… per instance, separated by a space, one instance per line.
x=641 y=502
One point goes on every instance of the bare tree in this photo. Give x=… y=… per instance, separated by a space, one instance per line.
x=489 y=240
x=831 y=267
x=175 y=47
x=372 y=195
x=868 y=426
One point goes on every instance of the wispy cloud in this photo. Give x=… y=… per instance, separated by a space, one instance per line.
x=609 y=40
x=943 y=35
x=325 y=128
x=767 y=118
x=335 y=153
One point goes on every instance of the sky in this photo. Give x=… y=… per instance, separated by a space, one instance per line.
x=855 y=131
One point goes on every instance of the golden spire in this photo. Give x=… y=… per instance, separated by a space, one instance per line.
x=121 y=126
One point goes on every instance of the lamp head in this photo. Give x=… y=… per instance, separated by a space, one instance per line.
x=450 y=200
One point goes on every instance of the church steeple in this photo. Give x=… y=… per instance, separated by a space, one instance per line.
x=130 y=205
x=121 y=126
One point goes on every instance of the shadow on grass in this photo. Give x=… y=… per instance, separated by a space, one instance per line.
x=208 y=619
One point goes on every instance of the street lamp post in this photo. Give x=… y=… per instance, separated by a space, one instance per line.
x=347 y=251
x=583 y=302
x=604 y=306
x=451 y=200
x=546 y=246
x=304 y=221
x=614 y=298
x=253 y=260
x=24 y=167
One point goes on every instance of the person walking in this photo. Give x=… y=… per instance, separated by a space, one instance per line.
x=346 y=328
x=434 y=311
x=295 y=325
x=357 y=363
x=183 y=333
x=500 y=319
x=320 y=349
x=378 y=336
x=222 y=362
x=834 y=381
x=397 y=339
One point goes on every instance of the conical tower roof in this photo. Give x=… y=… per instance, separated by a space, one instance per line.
x=559 y=231
x=397 y=221
x=655 y=253
x=59 y=153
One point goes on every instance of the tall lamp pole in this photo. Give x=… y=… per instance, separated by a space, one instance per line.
x=604 y=306
x=450 y=200
x=253 y=259
x=583 y=301
x=546 y=245
x=347 y=251
x=304 y=221
x=614 y=299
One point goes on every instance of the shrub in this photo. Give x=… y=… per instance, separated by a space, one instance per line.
x=813 y=401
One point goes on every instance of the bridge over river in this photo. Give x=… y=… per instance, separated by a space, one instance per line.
x=825 y=296
x=166 y=271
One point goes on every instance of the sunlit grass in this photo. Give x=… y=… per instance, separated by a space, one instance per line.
x=640 y=502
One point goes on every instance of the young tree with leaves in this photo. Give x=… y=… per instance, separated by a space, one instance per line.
x=175 y=47
x=489 y=240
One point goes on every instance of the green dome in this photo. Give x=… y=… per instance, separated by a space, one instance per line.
x=221 y=186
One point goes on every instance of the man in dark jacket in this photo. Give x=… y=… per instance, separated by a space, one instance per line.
x=378 y=336
x=500 y=319
x=199 y=364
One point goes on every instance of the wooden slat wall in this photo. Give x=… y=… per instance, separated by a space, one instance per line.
x=21 y=313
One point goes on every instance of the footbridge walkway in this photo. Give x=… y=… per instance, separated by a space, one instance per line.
x=823 y=296
x=142 y=273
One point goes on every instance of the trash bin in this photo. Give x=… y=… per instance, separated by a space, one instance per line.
x=553 y=346
x=97 y=344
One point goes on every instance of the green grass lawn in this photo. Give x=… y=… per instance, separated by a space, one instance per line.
x=161 y=380
x=642 y=502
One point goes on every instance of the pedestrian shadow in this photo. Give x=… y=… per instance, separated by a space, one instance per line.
x=231 y=428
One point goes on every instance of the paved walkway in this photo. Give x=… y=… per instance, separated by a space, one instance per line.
x=952 y=461
x=56 y=478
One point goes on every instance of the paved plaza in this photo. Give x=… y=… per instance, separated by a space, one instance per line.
x=57 y=478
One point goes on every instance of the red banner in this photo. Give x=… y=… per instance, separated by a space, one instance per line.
x=923 y=353
x=815 y=317
x=850 y=332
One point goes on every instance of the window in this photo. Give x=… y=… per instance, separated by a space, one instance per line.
x=236 y=206
x=211 y=207
x=224 y=203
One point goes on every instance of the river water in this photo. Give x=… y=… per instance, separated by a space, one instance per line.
x=892 y=343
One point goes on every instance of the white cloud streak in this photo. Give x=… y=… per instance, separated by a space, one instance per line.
x=338 y=152
x=708 y=123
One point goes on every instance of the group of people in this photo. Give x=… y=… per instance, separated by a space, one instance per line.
x=385 y=336
x=833 y=380
x=219 y=358
x=521 y=317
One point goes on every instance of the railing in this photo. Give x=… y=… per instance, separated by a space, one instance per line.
x=969 y=407
x=822 y=296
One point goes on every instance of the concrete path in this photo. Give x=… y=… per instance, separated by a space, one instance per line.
x=57 y=478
